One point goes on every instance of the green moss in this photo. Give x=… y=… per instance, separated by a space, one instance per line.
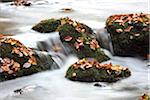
x=47 y=26
x=87 y=71
x=129 y=34
x=68 y=30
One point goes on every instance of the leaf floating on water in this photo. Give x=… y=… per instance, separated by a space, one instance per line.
x=67 y=10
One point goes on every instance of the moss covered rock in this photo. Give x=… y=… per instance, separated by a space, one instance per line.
x=129 y=34
x=89 y=70
x=51 y=25
x=82 y=43
x=16 y=60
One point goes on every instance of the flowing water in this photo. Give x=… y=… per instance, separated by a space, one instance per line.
x=51 y=85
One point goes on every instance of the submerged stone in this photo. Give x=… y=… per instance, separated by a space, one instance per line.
x=129 y=34
x=89 y=70
x=16 y=60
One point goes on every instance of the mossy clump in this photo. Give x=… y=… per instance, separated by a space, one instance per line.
x=47 y=26
x=89 y=70
x=16 y=60
x=129 y=34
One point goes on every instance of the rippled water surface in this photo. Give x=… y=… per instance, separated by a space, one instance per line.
x=52 y=85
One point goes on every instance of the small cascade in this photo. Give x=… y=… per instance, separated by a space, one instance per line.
x=53 y=45
x=104 y=39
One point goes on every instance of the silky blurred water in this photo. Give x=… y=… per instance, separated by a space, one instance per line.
x=52 y=84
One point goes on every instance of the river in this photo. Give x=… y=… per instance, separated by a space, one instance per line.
x=52 y=85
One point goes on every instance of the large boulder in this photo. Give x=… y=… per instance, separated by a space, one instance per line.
x=51 y=25
x=16 y=60
x=89 y=70
x=81 y=41
x=83 y=46
x=129 y=34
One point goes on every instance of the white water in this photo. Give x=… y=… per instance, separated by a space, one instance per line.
x=52 y=85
